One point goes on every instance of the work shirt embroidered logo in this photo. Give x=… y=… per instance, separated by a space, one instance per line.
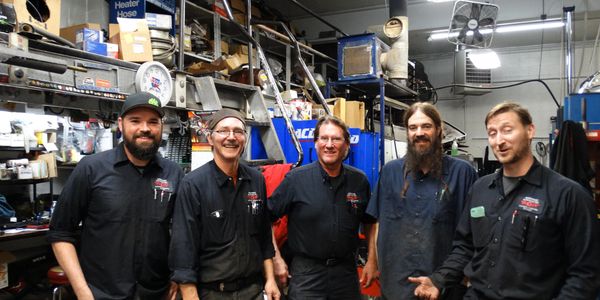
x=531 y=205
x=162 y=188
x=353 y=199
x=254 y=203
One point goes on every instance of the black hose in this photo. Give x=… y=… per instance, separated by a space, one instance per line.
x=502 y=87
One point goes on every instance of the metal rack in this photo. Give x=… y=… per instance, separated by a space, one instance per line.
x=381 y=88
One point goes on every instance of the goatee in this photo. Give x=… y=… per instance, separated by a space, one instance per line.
x=142 y=153
x=430 y=158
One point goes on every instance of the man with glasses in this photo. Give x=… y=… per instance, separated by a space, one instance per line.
x=221 y=246
x=325 y=203
x=123 y=198
x=417 y=202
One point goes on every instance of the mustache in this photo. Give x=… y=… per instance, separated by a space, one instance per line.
x=148 y=135
x=422 y=138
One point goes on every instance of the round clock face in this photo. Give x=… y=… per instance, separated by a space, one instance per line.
x=154 y=78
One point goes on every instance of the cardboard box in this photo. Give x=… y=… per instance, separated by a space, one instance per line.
x=112 y=50
x=239 y=18
x=339 y=107
x=256 y=11
x=355 y=114
x=224 y=47
x=70 y=33
x=239 y=5
x=93 y=47
x=91 y=35
x=159 y=21
x=51 y=162
x=318 y=111
x=49 y=20
x=133 y=38
x=351 y=112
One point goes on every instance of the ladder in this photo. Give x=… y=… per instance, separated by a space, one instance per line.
x=214 y=94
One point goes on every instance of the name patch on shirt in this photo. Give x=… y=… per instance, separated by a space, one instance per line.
x=478 y=212
x=255 y=204
x=531 y=205
x=353 y=199
x=162 y=189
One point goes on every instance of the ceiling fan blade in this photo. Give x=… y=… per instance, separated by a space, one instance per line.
x=477 y=36
x=486 y=22
x=461 y=19
x=463 y=34
x=475 y=11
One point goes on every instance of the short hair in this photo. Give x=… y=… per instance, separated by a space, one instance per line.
x=522 y=113
x=428 y=109
x=328 y=119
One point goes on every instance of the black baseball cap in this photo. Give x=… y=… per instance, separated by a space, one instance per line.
x=142 y=99
x=222 y=114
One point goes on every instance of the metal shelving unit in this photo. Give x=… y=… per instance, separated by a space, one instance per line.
x=373 y=88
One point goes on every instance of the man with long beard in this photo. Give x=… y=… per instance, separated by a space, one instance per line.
x=527 y=232
x=123 y=199
x=418 y=201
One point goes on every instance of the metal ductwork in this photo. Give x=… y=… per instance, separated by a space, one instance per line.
x=395 y=61
x=398 y=8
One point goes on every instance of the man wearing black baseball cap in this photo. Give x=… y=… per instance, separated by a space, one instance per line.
x=221 y=246
x=124 y=199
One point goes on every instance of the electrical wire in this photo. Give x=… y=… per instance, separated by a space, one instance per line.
x=594 y=50
x=542 y=41
x=393 y=131
x=503 y=87
x=585 y=22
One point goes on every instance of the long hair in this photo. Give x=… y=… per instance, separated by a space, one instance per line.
x=433 y=158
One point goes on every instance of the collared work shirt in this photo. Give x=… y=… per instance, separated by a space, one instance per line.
x=323 y=213
x=125 y=216
x=221 y=231
x=540 y=241
x=415 y=231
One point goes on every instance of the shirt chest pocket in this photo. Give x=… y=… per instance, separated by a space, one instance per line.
x=482 y=231
x=218 y=227
x=524 y=232
x=160 y=207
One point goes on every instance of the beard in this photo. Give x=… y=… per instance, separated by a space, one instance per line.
x=141 y=152
x=430 y=158
x=519 y=153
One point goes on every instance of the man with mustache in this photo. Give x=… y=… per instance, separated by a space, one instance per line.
x=417 y=202
x=123 y=199
x=221 y=247
x=527 y=232
x=325 y=203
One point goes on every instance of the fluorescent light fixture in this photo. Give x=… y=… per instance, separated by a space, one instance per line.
x=484 y=58
x=500 y=28
x=529 y=26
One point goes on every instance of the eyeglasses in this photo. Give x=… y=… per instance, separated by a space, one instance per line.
x=238 y=133
x=334 y=140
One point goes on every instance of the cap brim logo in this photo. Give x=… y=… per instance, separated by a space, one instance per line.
x=153 y=101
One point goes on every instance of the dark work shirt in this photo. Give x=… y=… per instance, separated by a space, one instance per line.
x=125 y=218
x=415 y=231
x=540 y=241
x=221 y=231
x=323 y=214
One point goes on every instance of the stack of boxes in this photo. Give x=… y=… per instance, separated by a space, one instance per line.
x=89 y=37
